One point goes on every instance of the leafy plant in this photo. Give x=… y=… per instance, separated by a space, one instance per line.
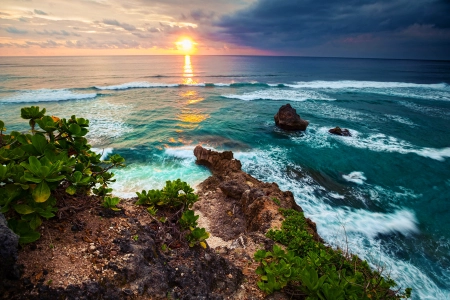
x=197 y=236
x=33 y=165
x=317 y=271
x=179 y=197
x=111 y=202
x=188 y=220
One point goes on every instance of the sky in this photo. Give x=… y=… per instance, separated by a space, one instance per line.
x=408 y=29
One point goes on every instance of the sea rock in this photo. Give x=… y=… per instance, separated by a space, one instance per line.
x=9 y=243
x=288 y=119
x=338 y=131
x=219 y=163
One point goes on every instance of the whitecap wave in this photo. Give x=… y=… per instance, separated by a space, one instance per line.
x=438 y=91
x=345 y=84
x=399 y=119
x=355 y=177
x=382 y=143
x=285 y=95
x=184 y=152
x=173 y=163
x=357 y=230
x=105 y=152
x=46 y=95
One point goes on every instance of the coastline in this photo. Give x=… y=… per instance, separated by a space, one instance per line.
x=98 y=253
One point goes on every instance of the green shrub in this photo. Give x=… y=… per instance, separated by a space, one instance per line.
x=111 y=202
x=33 y=165
x=317 y=271
x=177 y=195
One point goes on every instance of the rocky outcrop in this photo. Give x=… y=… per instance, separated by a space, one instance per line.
x=288 y=119
x=338 y=131
x=218 y=163
x=238 y=210
x=9 y=243
x=248 y=204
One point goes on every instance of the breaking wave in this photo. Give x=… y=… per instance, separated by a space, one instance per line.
x=46 y=95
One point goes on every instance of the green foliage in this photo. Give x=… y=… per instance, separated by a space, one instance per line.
x=111 y=202
x=176 y=195
x=197 y=236
x=277 y=202
x=315 y=270
x=188 y=220
x=52 y=155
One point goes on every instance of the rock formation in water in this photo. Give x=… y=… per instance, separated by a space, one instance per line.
x=288 y=119
x=254 y=205
x=338 y=131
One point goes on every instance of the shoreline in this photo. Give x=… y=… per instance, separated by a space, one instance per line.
x=118 y=254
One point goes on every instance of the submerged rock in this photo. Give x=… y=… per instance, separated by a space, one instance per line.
x=288 y=119
x=338 y=131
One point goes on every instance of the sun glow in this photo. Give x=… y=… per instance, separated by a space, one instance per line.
x=186 y=45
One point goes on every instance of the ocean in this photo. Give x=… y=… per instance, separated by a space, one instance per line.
x=383 y=193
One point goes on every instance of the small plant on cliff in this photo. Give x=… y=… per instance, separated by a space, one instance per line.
x=316 y=271
x=35 y=164
x=111 y=202
x=179 y=197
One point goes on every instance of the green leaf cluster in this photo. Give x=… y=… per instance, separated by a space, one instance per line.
x=176 y=195
x=34 y=164
x=111 y=202
x=317 y=271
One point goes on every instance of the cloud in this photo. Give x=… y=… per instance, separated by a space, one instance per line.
x=126 y=26
x=14 y=30
x=200 y=15
x=295 y=26
x=46 y=44
x=56 y=32
x=94 y=44
x=40 y=12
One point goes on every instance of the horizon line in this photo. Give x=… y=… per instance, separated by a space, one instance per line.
x=243 y=55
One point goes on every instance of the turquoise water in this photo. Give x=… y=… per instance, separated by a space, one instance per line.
x=385 y=190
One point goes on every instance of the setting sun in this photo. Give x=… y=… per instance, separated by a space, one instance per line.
x=186 y=45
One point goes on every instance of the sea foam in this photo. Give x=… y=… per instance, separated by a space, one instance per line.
x=171 y=164
x=357 y=230
x=290 y=95
x=382 y=143
x=438 y=91
x=345 y=84
x=356 y=177
x=46 y=95
x=105 y=152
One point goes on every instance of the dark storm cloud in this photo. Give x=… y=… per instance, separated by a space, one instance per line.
x=293 y=26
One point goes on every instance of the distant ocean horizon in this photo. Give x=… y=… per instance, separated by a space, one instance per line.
x=386 y=189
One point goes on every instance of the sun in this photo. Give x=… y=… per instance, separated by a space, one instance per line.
x=185 y=44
